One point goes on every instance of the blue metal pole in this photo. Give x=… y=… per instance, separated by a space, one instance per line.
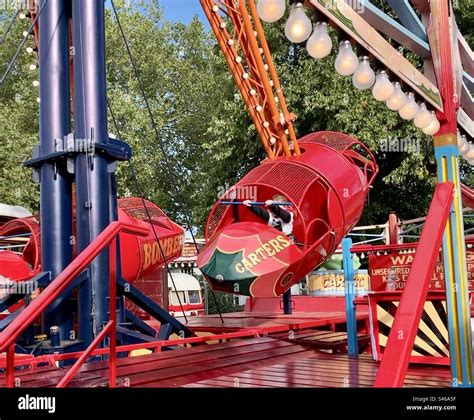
x=55 y=185
x=287 y=310
x=348 y=264
x=91 y=169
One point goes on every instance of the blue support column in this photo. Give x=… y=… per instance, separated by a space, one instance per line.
x=55 y=184
x=287 y=309
x=91 y=168
x=348 y=264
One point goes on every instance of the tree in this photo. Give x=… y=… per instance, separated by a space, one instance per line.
x=208 y=137
x=18 y=122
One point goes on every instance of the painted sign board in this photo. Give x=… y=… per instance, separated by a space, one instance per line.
x=331 y=283
x=390 y=272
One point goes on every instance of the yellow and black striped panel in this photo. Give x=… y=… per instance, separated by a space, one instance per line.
x=432 y=336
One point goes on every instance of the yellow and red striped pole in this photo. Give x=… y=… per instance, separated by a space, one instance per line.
x=447 y=156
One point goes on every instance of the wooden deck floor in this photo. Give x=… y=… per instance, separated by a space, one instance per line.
x=260 y=362
x=269 y=322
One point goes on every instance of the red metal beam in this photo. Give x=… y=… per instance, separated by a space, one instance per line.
x=85 y=355
x=394 y=365
x=57 y=286
x=467 y=196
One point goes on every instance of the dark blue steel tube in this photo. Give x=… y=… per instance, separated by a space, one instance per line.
x=287 y=309
x=92 y=180
x=55 y=187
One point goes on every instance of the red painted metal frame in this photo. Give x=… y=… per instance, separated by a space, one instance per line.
x=468 y=196
x=395 y=247
x=394 y=365
x=216 y=334
x=155 y=346
x=86 y=354
x=54 y=290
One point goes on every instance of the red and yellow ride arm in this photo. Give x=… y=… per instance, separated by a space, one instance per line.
x=240 y=35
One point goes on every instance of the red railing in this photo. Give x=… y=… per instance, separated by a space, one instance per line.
x=396 y=358
x=54 y=290
x=467 y=196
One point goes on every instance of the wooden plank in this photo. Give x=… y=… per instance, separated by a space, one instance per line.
x=159 y=370
x=216 y=368
x=149 y=363
x=168 y=355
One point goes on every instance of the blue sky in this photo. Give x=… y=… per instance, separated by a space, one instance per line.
x=182 y=10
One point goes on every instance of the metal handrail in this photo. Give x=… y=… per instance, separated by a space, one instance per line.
x=57 y=286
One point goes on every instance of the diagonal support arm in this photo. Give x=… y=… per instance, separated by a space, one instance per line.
x=394 y=365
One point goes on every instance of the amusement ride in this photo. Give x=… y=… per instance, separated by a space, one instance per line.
x=85 y=315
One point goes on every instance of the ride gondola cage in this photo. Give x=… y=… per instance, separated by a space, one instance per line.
x=327 y=186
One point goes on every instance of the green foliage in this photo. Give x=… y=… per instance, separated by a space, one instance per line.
x=225 y=303
x=209 y=138
x=18 y=123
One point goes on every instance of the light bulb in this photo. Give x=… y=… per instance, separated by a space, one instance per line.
x=463 y=145
x=319 y=44
x=36 y=83
x=469 y=155
x=22 y=15
x=398 y=99
x=410 y=109
x=383 y=88
x=271 y=10
x=30 y=50
x=346 y=60
x=423 y=118
x=298 y=27
x=33 y=67
x=364 y=76
x=433 y=127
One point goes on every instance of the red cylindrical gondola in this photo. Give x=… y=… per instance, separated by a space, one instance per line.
x=327 y=186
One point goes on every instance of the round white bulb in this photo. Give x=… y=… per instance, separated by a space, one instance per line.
x=30 y=50
x=298 y=27
x=470 y=154
x=346 y=61
x=319 y=44
x=36 y=83
x=433 y=127
x=398 y=99
x=271 y=10
x=22 y=16
x=463 y=145
x=383 y=88
x=32 y=67
x=423 y=118
x=410 y=109
x=364 y=76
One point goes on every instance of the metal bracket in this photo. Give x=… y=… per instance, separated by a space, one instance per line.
x=152 y=308
x=140 y=325
x=114 y=150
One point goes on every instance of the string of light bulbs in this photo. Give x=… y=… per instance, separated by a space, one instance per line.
x=299 y=29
